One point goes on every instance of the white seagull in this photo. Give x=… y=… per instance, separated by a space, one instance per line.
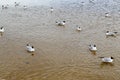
x=3 y=7
x=92 y=48
x=78 y=28
x=62 y=23
x=30 y=48
x=25 y=7
x=2 y=30
x=51 y=9
x=16 y=4
x=107 y=59
x=107 y=15
x=108 y=33
x=6 y=6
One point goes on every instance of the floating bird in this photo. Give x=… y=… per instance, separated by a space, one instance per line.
x=78 y=28
x=92 y=48
x=51 y=9
x=16 y=4
x=108 y=33
x=119 y=12
x=83 y=3
x=60 y=23
x=5 y=6
x=2 y=30
x=107 y=59
x=25 y=7
x=30 y=48
x=107 y=15
x=91 y=1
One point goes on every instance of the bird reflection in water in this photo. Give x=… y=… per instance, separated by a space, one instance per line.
x=93 y=52
x=103 y=64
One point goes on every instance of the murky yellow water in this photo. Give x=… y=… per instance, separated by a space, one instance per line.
x=61 y=52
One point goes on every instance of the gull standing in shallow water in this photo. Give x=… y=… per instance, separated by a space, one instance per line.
x=62 y=23
x=108 y=33
x=92 y=48
x=30 y=48
x=107 y=59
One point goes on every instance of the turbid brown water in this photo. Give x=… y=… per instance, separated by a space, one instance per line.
x=61 y=52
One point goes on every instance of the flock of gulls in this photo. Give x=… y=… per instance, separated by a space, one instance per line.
x=91 y=47
x=16 y=4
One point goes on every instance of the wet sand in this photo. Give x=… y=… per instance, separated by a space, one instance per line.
x=61 y=52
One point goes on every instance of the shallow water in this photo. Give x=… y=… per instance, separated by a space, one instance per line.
x=61 y=52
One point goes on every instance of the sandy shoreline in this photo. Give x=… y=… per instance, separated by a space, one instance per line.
x=61 y=52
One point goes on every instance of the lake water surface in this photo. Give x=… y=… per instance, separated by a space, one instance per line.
x=61 y=52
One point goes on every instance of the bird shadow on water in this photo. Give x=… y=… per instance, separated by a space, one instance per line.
x=103 y=64
x=78 y=31
x=32 y=53
x=110 y=36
